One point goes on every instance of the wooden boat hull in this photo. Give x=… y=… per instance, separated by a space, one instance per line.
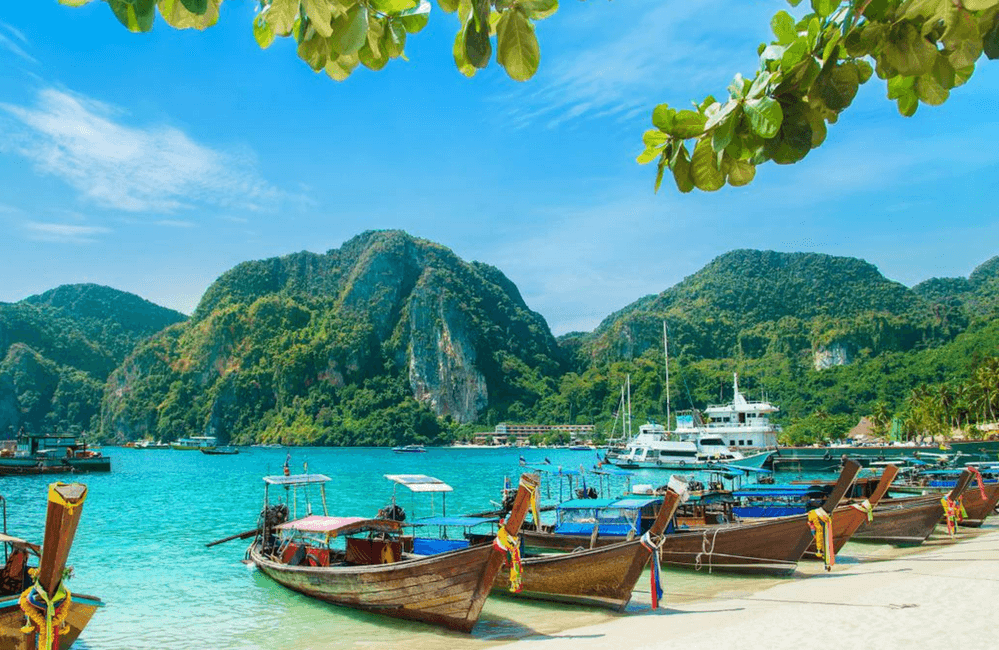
x=603 y=576
x=771 y=547
x=440 y=589
x=36 y=465
x=907 y=522
x=12 y=618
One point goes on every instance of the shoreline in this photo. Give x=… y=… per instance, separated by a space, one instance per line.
x=875 y=595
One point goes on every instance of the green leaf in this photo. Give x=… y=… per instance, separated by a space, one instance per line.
x=350 y=31
x=704 y=170
x=962 y=39
x=393 y=6
x=837 y=86
x=320 y=12
x=664 y=118
x=660 y=170
x=262 y=31
x=929 y=90
x=517 y=46
x=75 y=3
x=395 y=38
x=864 y=71
x=741 y=172
x=990 y=42
x=478 y=49
x=647 y=156
x=688 y=124
x=725 y=131
x=197 y=7
x=739 y=86
x=794 y=140
x=177 y=15
x=794 y=54
x=137 y=15
x=944 y=72
x=450 y=6
x=681 y=170
x=760 y=85
x=460 y=58
x=538 y=9
x=416 y=19
x=961 y=75
x=907 y=104
x=315 y=51
x=978 y=5
x=782 y=25
x=280 y=15
x=765 y=116
x=341 y=68
x=818 y=124
x=824 y=7
x=908 y=52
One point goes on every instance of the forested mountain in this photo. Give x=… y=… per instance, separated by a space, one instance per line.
x=392 y=339
x=383 y=340
x=58 y=348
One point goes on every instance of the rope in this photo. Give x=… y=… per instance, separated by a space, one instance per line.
x=52 y=623
x=710 y=551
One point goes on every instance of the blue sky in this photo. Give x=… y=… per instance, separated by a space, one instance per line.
x=153 y=163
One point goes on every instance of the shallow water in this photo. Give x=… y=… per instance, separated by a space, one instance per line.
x=141 y=548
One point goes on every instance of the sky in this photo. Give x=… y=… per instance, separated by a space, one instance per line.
x=153 y=163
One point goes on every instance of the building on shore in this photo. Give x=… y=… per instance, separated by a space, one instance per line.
x=523 y=432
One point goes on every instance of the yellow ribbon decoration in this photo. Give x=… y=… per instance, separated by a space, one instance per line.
x=820 y=522
x=53 y=623
x=511 y=545
x=55 y=497
x=866 y=507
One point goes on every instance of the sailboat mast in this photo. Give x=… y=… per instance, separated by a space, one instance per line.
x=628 y=384
x=666 y=355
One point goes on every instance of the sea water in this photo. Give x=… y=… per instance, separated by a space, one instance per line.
x=140 y=547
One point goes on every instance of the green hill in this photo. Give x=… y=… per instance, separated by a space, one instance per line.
x=58 y=348
x=384 y=340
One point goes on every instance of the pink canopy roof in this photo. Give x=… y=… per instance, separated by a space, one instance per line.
x=334 y=525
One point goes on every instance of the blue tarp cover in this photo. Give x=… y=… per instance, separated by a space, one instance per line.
x=467 y=522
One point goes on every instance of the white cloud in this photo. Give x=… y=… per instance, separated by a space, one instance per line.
x=113 y=165
x=176 y=223
x=63 y=233
x=10 y=44
x=640 y=55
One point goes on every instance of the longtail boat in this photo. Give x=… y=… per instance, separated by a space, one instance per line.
x=908 y=521
x=768 y=546
x=372 y=572
x=22 y=594
x=979 y=502
x=979 y=499
x=849 y=517
x=603 y=576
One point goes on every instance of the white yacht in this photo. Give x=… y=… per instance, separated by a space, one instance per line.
x=740 y=424
x=653 y=448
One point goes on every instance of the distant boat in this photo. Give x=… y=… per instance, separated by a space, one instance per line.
x=51 y=453
x=409 y=449
x=194 y=443
x=581 y=448
x=269 y=445
x=150 y=444
x=220 y=451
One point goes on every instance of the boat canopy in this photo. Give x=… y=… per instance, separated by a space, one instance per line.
x=337 y=525
x=630 y=503
x=420 y=482
x=465 y=522
x=612 y=471
x=296 y=479
x=780 y=491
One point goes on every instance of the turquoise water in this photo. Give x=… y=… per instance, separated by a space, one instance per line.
x=141 y=542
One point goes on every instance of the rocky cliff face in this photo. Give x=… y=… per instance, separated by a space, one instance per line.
x=307 y=341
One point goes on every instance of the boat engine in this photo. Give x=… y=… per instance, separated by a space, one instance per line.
x=587 y=493
x=393 y=512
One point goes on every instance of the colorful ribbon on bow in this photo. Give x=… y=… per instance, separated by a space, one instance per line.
x=820 y=522
x=865 y=507
x=46 y=614
x=954 y=512
x=655 y=575
x=511 y=546
x=981 y=482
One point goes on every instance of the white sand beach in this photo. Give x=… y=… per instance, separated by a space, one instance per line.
x=940 y=593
